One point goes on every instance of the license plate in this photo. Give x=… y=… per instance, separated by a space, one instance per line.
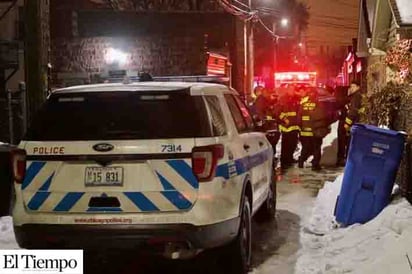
x=104 y=176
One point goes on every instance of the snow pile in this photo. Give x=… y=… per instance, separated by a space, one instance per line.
x=322 y=219
x=383 y=245
x=330 y=146
x=7 y=239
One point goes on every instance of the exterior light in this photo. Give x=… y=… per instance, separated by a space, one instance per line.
x=300 y=44
x=115 y=56
x=303 y=76
x=284 y=22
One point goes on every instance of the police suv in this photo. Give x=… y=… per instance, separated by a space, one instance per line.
x=174 y=166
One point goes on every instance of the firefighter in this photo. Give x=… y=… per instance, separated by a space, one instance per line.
x=264 y=114
x=353 y=111
x=258 y=105
x=270 y=124
x=286 y=114
x=261 y=103
x=342 y=100
x=315 y=125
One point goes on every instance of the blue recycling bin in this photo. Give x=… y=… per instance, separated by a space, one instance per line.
x=370 y=171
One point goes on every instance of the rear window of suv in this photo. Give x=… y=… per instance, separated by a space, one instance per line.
x=120 y=116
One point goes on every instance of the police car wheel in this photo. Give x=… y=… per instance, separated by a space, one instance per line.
x=268 y=209
x=239 y=252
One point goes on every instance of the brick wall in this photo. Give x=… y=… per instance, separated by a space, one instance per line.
x=162 y=43
x=160 y=55
x=142 y=5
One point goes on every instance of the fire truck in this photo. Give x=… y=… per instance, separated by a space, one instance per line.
x=305 y=79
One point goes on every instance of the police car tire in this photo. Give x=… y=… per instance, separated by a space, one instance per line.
x=268 y=210
x=239 y=252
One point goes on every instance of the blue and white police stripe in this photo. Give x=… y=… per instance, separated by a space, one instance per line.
x=175 y=176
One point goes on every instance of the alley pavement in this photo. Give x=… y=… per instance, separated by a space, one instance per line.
x=275 y=244
x=307 y=178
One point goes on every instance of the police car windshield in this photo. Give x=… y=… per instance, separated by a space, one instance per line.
x=120 y=116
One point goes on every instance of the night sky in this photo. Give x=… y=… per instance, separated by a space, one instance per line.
x=332 y=22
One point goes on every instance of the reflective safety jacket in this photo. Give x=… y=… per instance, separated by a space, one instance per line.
x=353 y=108
x=286 y=113
x=313 y=118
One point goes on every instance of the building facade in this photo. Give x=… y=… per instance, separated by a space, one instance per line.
x=382 y=24
x=11 y=25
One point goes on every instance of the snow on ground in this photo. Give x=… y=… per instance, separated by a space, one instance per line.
x=276 y=252
x=322 y=219
x=383 y=245
x=329 y=147
x=276 y=249
x=7 y=239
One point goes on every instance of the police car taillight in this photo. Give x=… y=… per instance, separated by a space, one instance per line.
x=18 y=164
x=204 y=161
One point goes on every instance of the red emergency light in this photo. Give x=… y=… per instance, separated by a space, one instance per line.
x=295 y=77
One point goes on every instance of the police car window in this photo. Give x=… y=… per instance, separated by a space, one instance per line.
x=236 y=113
x=245 y=113
x=217 y=119
x=121 y=116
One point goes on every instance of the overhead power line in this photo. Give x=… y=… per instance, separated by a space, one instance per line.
x=274 y=35
x=229 y=8
x=236 y=10
x=246 y=13
x=242 y=4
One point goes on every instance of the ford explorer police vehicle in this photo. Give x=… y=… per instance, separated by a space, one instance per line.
x=176 y=166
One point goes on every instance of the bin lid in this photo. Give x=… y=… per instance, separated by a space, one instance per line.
x=378 y=130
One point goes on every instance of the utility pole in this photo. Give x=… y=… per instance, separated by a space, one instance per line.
x=245 y=62
x=275 y=47
x=251 y=68
x=249 y=56
x=33 y=51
